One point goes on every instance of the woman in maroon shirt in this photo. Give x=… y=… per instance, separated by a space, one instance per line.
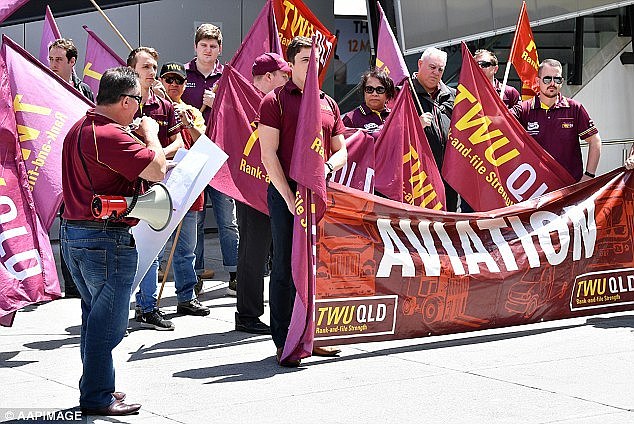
x=377 y=89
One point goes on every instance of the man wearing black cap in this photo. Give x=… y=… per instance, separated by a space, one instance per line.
x=269 y=71
x=173 y=78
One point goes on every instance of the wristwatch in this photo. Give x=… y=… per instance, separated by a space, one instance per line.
x=589 y=174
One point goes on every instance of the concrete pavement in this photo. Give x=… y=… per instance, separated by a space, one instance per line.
x=571 y=371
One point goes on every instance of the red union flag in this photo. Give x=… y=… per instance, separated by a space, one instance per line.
x=405 y=167
x=243 y=176
x=27 y=266
x=262 y=38
x=307 y=169
x=294 y=18
x=490 y=159
x=50 y=33
x=42 y=124
x=99 y=58
x=358 y=172
x=388 y=54
x=523 y=55
x=7 y=7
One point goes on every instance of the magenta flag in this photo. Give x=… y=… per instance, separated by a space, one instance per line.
x=243 y=176
x=27 y=271
x=261 y=38
x=307 y=169
x=358 y=171
x=7 y=7
x=99 y=58
x=490 y=160
x=405 y=167
x=388 y=53
x=42 y=124
x=50 y=33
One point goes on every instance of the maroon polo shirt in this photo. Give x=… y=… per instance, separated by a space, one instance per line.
x=197 y=83
x=511 y=95
x=366 y=118
x=113 y=157
x=558 y=129
x=280 y=109
x=162 y=112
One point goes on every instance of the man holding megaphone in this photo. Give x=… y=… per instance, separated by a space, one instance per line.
x=102 y=157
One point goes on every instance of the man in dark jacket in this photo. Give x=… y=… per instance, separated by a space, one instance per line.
x=436 y=99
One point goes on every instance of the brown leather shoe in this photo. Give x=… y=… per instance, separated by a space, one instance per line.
x=207 y=274
x=120 y=396
x=116 y=408
x=327 y=351
x=288 y=363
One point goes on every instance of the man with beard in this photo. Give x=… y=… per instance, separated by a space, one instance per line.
x=557 y=123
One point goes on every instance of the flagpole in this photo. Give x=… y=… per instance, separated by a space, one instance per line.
x=411 y=88
x=169 y=262
x=114 y=28
x=513 y=46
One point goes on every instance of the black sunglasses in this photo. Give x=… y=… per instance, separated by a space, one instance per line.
x=486 y=63
x=379 y=90
x=172 y=80
x=138 y=99
x=549 y=79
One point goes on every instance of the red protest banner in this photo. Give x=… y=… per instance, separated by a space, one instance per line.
x=261 y=38
x=43 y=122
x=99 y=58
x=294 y=18
x=490 y=159
x=388 y=54
x=388 y=271
x=307 y=169
x=7 y=7
x=50 y=33
x=243 y=177
x=358 y=172
x=405 y=166
x=27 y=265
x=523 y=55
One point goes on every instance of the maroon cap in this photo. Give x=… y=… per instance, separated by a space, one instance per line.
x=269 y=62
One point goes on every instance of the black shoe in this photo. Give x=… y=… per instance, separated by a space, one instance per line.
x=252 y=326
x=193 y=307
x=155 y=320
x=232 y=288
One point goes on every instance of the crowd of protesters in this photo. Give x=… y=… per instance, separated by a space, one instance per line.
x=172 y=109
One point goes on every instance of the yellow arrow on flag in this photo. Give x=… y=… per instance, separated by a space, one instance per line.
x=90 y=73
x=26 y=153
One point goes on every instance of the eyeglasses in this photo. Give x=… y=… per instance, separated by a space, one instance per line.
x=174 y=80
x=485 y=64
x=549 y=79
x=379 y=90
x=138 y=99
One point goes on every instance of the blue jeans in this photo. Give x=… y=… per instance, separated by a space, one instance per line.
x=184 y=258
x=224 y=208
x=281 y=286
x=183 y=264
x=102 y=263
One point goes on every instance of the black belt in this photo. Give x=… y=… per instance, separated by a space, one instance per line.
x=99 y=224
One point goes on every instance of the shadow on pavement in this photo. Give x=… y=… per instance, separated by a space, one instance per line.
x=196 y=343
x=5 y=360
x=624 y=321
x=449 y=343
x=243 y=371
